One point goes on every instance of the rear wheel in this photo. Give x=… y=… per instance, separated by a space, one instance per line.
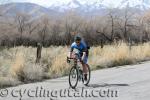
x=88 y=76
x=73 y=77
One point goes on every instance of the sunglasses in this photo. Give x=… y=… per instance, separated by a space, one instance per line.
x=78 y=42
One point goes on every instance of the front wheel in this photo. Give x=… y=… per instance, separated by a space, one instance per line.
x=73 y=77
x=88 y=76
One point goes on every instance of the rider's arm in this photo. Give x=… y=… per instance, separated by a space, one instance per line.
x=70 y=54
x=71 y=50
x=84 y=54
x=84 y=50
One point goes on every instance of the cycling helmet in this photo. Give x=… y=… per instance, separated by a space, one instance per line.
x=78 y=38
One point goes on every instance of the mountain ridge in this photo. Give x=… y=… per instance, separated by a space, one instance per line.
x=75 y=5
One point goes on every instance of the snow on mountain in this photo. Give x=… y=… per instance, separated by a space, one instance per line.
x=86 y=7
x=62 y=5
x=98 y=4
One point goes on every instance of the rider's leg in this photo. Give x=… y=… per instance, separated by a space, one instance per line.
x=84 y=65
x=84 y=68
x=85 y=71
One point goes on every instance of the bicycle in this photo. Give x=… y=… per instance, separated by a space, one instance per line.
x=76 y=72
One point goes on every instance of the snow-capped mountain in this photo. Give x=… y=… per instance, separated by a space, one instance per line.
x=87 y=4
x=85 y=7
x=100 y=4
x=142 y=4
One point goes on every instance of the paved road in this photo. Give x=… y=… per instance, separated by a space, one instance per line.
x=121 y=83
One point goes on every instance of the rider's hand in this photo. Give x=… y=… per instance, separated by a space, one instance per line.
x=68 y=60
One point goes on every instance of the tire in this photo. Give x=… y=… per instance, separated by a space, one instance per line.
x=73 y=74
x=88 y=77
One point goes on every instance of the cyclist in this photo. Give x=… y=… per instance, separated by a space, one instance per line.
x=80 y=45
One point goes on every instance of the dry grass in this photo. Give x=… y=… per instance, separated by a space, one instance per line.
x=18 y=64
x=8 y=81
x=17 y=67
x=115 y=55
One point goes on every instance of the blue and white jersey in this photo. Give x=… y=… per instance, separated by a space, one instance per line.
x=82 y=47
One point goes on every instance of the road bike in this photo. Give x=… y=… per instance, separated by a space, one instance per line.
x=76 y=71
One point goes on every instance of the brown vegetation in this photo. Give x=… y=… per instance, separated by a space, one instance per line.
x=17 y=65
x=23 y=29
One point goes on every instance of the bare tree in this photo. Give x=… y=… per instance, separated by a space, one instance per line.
x=31 y=27
x=112 y=17
x=43 y=30
x=125 y=22
x=103 y=30
x=21 y=21
x=71 y=23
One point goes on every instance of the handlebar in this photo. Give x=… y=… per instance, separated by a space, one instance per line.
x=68 y=59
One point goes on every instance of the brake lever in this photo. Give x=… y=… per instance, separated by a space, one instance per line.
x=68 y=61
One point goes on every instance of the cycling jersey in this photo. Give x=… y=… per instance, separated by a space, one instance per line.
x=82 y=47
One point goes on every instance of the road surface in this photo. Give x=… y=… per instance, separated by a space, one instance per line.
x=131 y=82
